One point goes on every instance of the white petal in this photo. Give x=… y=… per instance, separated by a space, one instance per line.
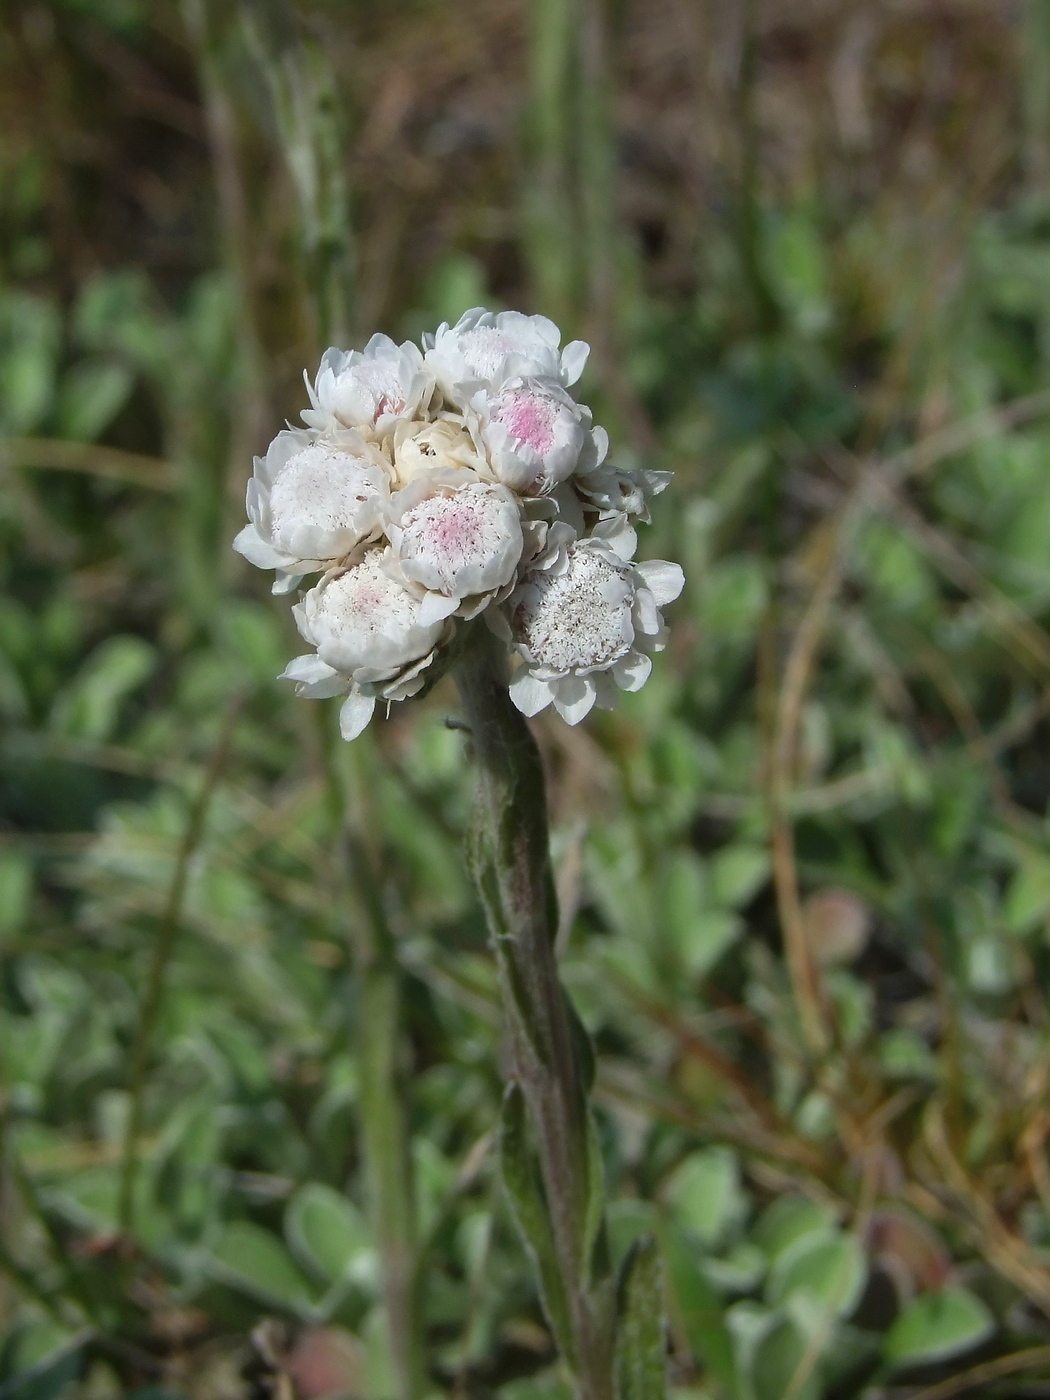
x=285 y=582
x=663 y=579
x=621 y=537
x=354 y=714
x=530 y=694
x=605 y=689
x=256 y=550
x=633 y=671
x=435 y=607
x=574 y=698
x=308 y=668
x=573 y=359
x=646 y=614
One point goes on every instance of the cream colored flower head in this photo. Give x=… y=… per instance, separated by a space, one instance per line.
x=371 y=389
x=439 y=446
x=311 y=501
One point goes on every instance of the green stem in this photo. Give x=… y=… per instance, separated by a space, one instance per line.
x=162 y=951
x=385 y=1138
x=511 y=866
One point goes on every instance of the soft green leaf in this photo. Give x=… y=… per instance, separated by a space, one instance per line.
x=327 y=1235
x=705 y=1193
x=90 y=705
x=529 y=1208
x=737 y=873
x=254 y=1261
x=937 y=1326
x=781 y=1364
x=830 y=1269
x=788 y=1220
x=699 y=1311
x=640 y=1366
x=89 y=397
x=16 y=887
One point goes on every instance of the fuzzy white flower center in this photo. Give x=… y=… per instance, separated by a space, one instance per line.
x=384 y=386
x=364 y=602
x=450 y=533
x=577 y=619
x=322 y=487
x=529 y=417
x=484 y=349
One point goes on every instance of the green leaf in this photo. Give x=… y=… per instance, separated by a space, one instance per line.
x=830 y=1269
x=89 y=707
x=705 y=1193
x=251 y=1259
x=529 y=1208
x=595 y=1246
x=328 y=1236
x=787 y=1220
x=89 y=397
x=775 y=1363
x=937 y=1326
x=16 y=887
x=737 y=873
x=699 y=1311
x=640 y=1368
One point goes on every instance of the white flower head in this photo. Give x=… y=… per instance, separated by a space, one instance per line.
x=610 y=489
x=486 y=349
x=369 y=637
x=370 y=389
x=420 y=448
x=533 y=433
x=457 y=538
x=312 y=501
x=585 y=628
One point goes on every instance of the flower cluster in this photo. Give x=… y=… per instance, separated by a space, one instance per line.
x=462 y=479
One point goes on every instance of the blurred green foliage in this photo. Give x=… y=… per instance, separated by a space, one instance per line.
x=804 y=875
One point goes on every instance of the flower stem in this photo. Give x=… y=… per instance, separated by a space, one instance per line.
x=549 y=1049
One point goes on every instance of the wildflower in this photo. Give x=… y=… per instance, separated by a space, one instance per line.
x=370 y=639
x=427 y=447
x=486 y=350
x=434 y=486
x=586 y=627
x=370 y=389
x=311 y=501
x=458 y=538
x=532 y=432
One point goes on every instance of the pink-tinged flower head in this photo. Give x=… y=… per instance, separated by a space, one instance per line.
x=370 y=642
x=370 y=389
x=364 y=622
x=486 y=349
x=311 y=501
x=533 y=434
x=456 y=537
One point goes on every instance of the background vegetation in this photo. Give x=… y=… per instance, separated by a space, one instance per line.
x=805 y=874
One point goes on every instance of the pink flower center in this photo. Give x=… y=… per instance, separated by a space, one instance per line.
x=529 y=418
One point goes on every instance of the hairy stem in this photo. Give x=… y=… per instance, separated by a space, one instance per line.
x=549 y=1052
